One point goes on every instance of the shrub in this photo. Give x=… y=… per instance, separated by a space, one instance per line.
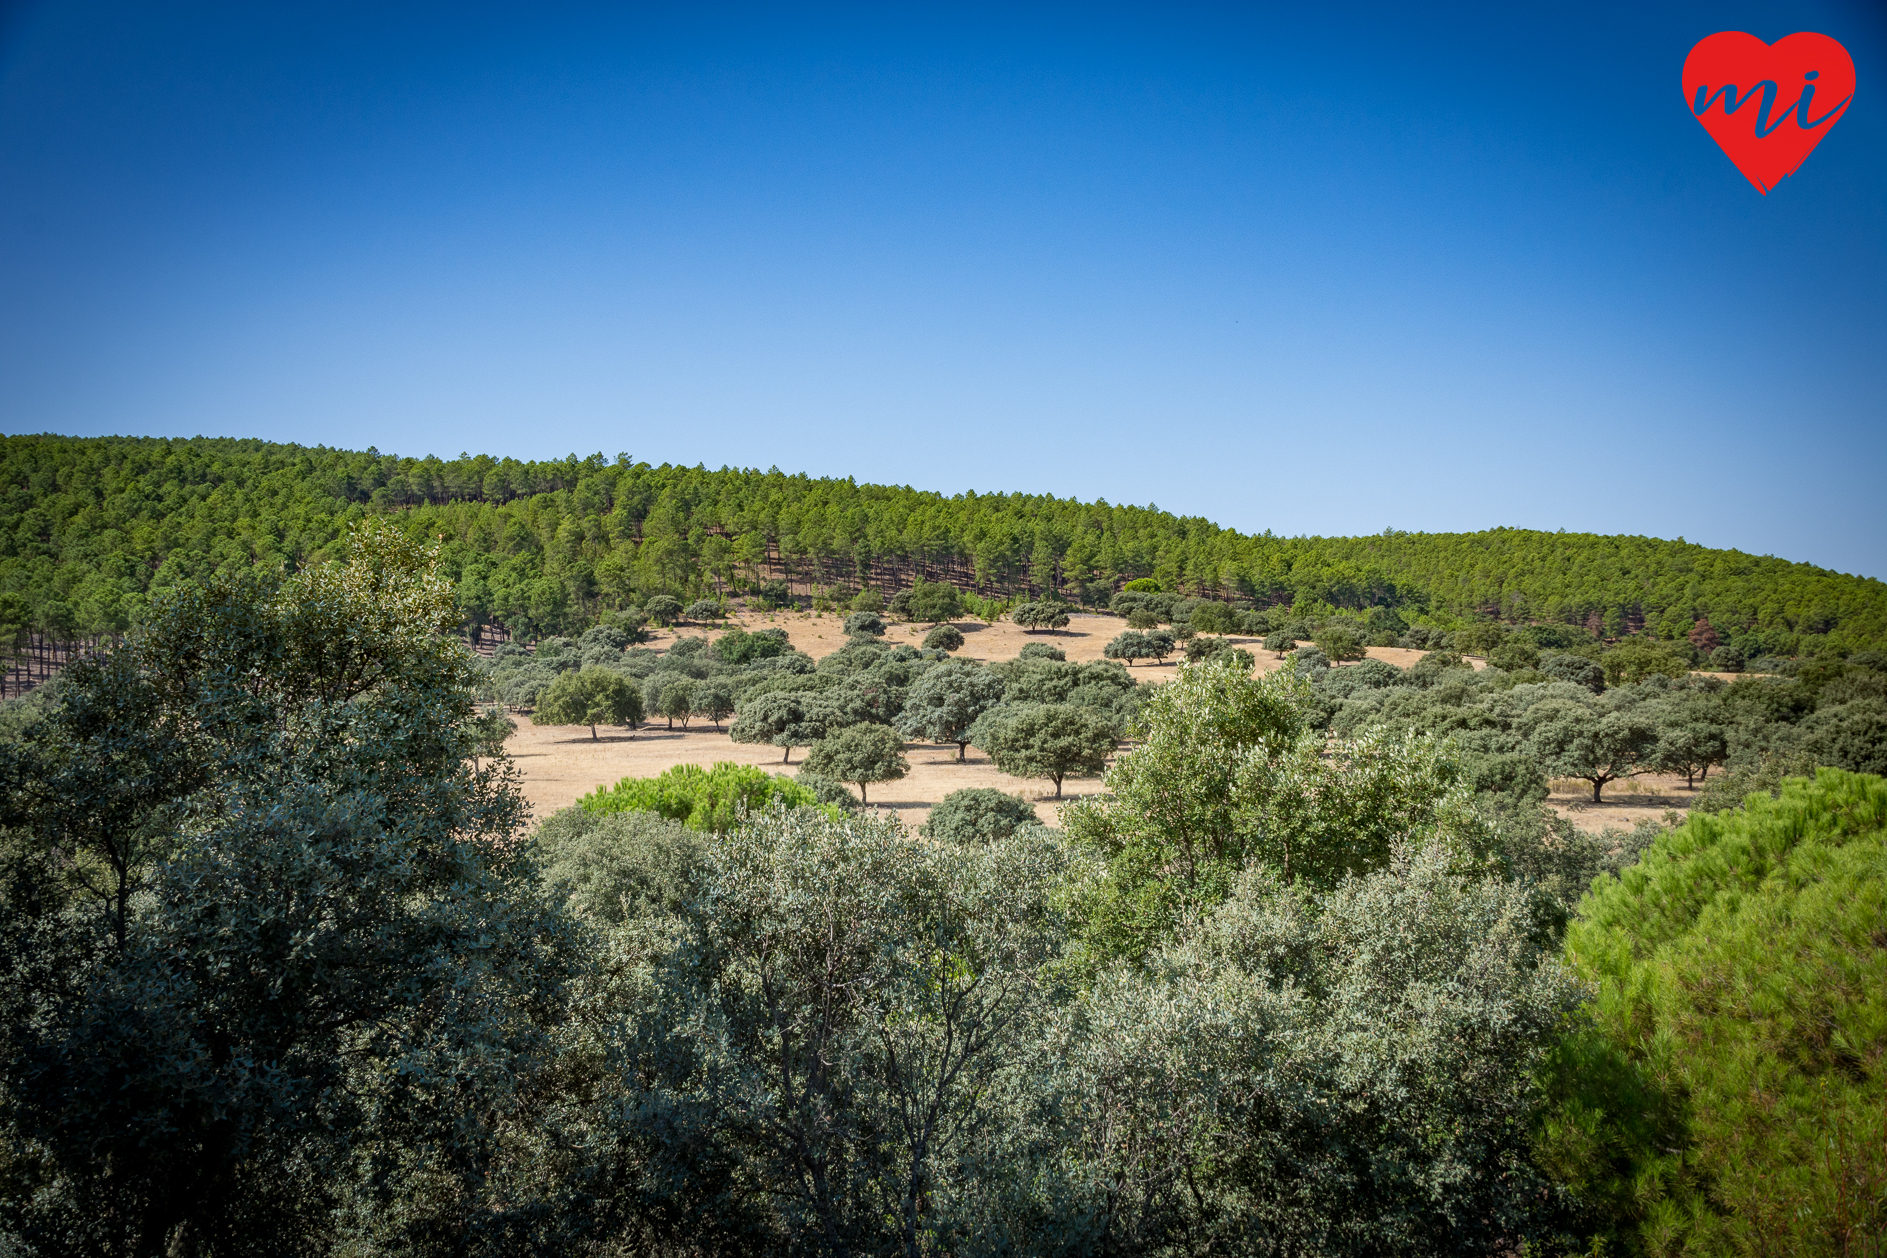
x=701 y=799
x=737 y=646
x=1141 y=618
x=662 y=609
x=978 y=815
x=1280 y=643
x=1513 y=657
x=828 y=791
x=1576 y=669
x=944 y=638
x=1041 y=651
x=619 y=865
x=868 y=601
x=934 y=601
x=864 y=624
x=705 y=609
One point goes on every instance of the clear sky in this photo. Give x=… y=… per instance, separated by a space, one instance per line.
x=1311 y=268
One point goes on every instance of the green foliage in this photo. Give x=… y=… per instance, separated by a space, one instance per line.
x=944 y=638
x=706 y=609
x=95 y=526
x=1041 y=651
x=1338 y=1073
x=663 y=610
x=330 y=928
x=1047 y=740
x=947 y=700
x=737 y=646
x=619 y=865
x=934 y=601
x=1340 y=644
x=592 y=697
x=978 y=814
x=1230 y=773
x=1514 y=657
x=1741 y=1018
x=1033 y=616
x=868 y=600
x=1578 y=742
x=860 y=754
x=1280 y=643
x=1633 y=661
x=1576 y=669
x=700 y=799
x=860 y=1002
x=864 y=624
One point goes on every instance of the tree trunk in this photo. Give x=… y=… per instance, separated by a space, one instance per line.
x=861 y=793
x=1057 y=786
x=962 y=751
x=788 y=757
x=1597 y=786
x=593 y=737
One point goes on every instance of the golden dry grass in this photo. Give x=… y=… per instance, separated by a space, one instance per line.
x=561 y=763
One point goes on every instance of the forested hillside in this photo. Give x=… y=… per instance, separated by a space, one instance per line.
x=91 y=527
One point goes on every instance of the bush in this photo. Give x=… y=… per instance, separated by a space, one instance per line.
x=1212 y=618
x=1041 y=651
x=828 y=791
x=1280 y=643
x=1631 y=662
x=1141 y=618
x=701 y=799
x=619 y=865
x=1514 y=657
x=706 y=609
x=933 y=601
x=1741 y=1017
x=864 y=624
x=773 y=594
x=944 y=638
x=978 y=815
x=1308 y=661
x=662 y=609
x=737 y=646
x=1727 y=659
x=1576 y=669
x=868 y=601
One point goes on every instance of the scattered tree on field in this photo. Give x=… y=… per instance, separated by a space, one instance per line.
x=934 y=601
x=1033 y=616
x=860 y=754
x=663 y=610
x=589 y=696
x=713 y=702
x=1049 y=740
x=1340 y=644
x=947 y=700
x=1580 y=743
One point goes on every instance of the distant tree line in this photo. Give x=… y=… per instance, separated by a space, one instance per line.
x=90 y=529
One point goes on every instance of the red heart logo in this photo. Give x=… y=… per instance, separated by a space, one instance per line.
x=1768 y=105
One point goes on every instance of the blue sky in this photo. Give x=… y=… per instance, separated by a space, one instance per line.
x=1318 y=272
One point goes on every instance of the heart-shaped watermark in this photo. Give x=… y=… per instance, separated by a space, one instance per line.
x=1768 y=105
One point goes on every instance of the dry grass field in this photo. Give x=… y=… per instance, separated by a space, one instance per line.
x=560 y=764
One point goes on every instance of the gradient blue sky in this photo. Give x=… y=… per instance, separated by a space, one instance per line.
x=1322 y=271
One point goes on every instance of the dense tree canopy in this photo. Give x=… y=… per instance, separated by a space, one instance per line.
x=91 y=528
